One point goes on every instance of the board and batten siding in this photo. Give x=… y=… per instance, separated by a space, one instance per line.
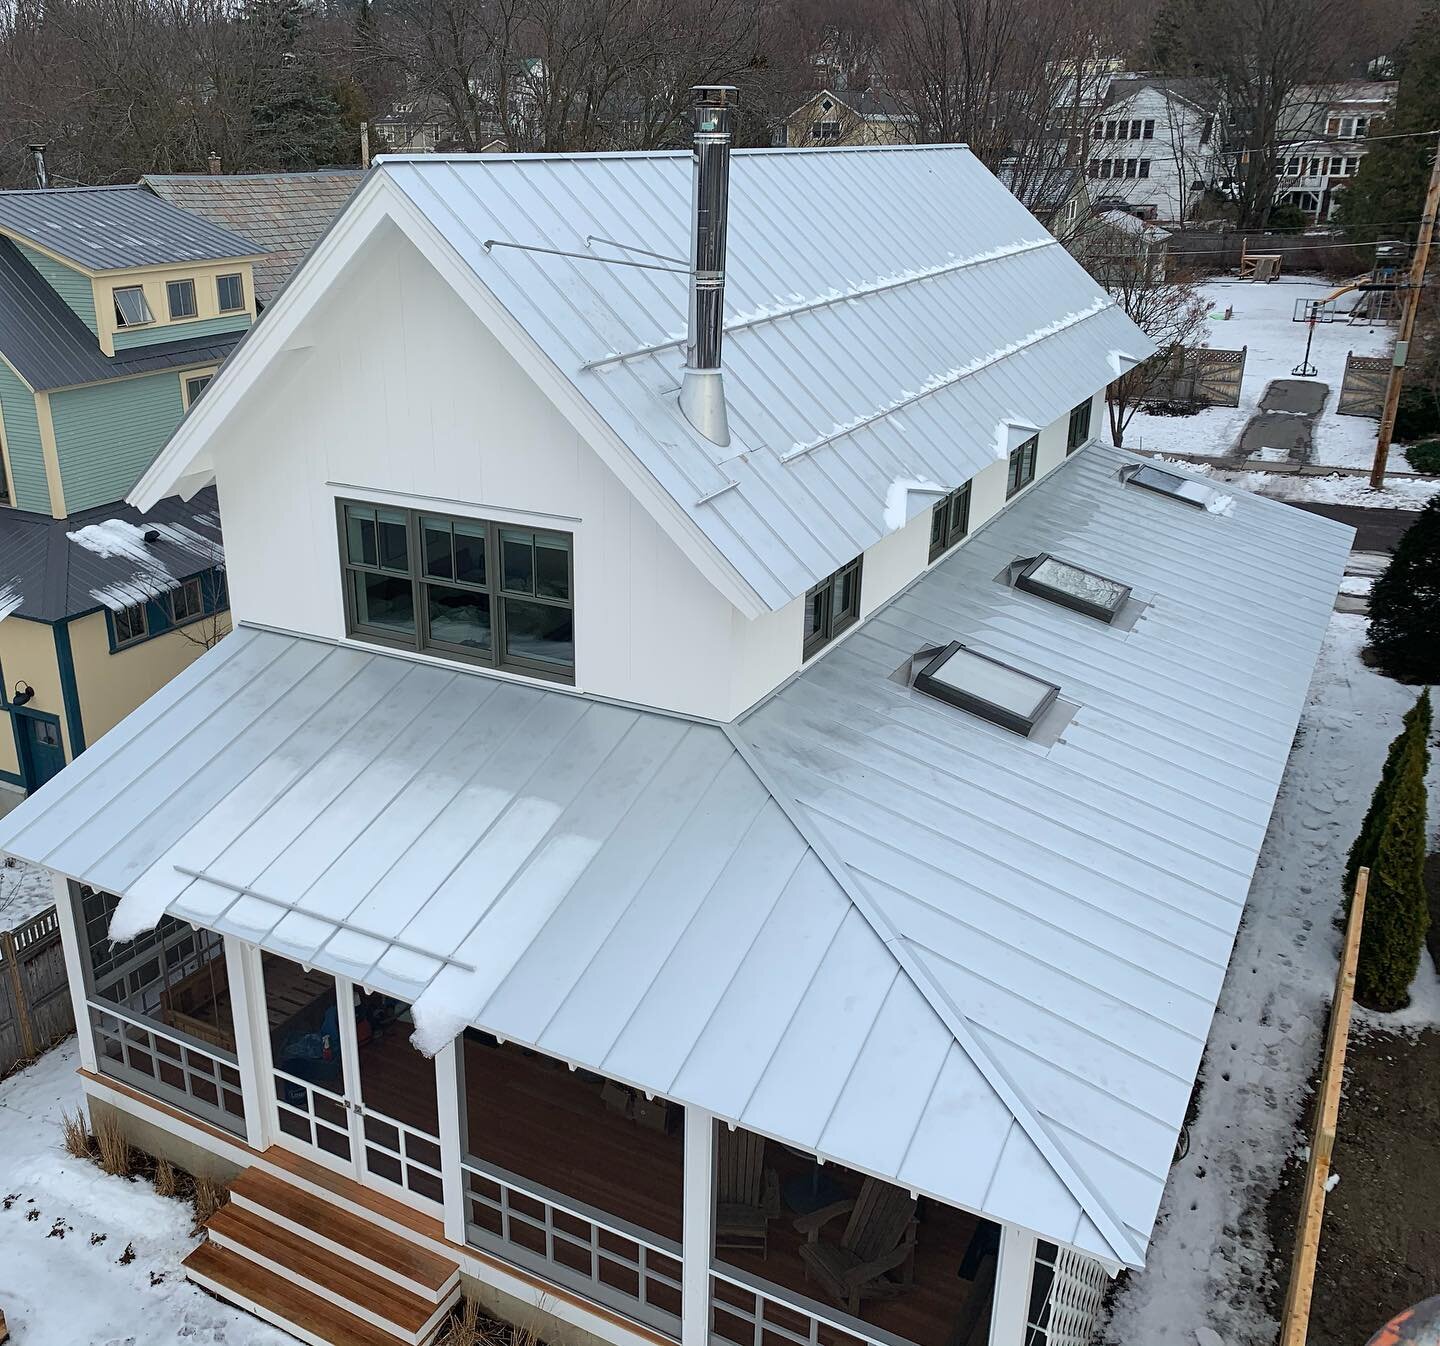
x=72 y=286
x=106 y=434
x=130 y=338
x=21 y=428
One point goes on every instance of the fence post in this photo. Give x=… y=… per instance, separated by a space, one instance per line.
x=17 y=989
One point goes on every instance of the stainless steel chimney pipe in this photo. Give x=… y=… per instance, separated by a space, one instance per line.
x=702 y=390
x=37 y=155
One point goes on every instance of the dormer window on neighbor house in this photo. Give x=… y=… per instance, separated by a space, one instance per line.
x=230 y=293
x=131 y=310
x=470 y=589
x=180 y=299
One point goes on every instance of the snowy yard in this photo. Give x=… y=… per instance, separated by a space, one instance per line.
x=91 y=1260
x=1262 y=322
x=1210 y=1262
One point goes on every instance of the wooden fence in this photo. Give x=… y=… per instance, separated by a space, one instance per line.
x=1362 y=392
x=35 y=1011
x=1199 y=374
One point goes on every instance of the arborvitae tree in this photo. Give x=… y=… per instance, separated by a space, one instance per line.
x=295 y=120
x=1396 y=913
x=1405 y=604
x=1389 y=187
x=1416 y=726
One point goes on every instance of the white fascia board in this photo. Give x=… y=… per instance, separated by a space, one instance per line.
x=378 y=201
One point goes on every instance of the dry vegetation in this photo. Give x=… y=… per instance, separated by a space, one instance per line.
x=470 y=1325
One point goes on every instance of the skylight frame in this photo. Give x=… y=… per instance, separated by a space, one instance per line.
x=1138 y=475
x=927 y=680
x=1027 y=582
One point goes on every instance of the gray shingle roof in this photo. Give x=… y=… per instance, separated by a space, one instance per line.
x=49 y=347
x=284 y=213
x=111 y=228
x=56 y=578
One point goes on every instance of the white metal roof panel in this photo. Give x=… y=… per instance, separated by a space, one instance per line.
x=891 y=312
x=1075 y=903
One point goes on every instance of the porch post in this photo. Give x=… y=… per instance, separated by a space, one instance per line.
x=450 y=1091
x=697 y=1227
x=71 y=943
x=1012 y=1287
x=245 y=995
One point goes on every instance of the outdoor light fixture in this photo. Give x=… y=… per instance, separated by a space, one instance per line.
x=986 y=687
x=22 y=694
x=1073 y=586
x=1169 y=484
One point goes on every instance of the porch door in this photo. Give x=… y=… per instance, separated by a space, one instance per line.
x=349 y=1091
x=41 y=753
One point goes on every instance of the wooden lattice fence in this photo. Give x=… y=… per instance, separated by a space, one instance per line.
x=35 y=1011
x=1362 y=392
x=1201 y=375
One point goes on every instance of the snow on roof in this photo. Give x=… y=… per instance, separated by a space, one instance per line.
x=1127 y=223
x=858 y=920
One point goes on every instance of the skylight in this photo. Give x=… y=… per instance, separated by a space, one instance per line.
x=1073 y=586
x=986 y=687
x=1179 y=488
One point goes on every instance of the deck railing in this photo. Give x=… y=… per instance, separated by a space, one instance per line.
x=577 y=1247
x=748 y=1311
x=201 y=1080
x=1067 y=1297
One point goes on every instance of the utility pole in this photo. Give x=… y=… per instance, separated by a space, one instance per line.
x=1407 y=325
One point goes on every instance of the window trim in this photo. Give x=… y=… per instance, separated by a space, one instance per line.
x=239 y=278
x=185 y=284
x=185 y=587
x=190 y=376
x=944 y=508
x=832 y=627
x=1014 y=486
x=121 y=322
x=124 y=643
x=422 y=643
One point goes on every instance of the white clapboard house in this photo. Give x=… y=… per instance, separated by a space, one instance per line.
x=732 y=846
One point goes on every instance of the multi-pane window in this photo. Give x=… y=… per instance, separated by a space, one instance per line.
x=131 y=624
x=180 y=295
x=131 y=310
x=1079 y=429
x=194 y=386
x=949 y=521
x=1022 y=466
x=188 y=601
x=832 y=606
x=481 y=590
x=1119 y=168
x=1128 y=128
x=825 y=130
x=230 y=292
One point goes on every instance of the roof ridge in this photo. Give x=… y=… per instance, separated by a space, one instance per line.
x=1111 y=1227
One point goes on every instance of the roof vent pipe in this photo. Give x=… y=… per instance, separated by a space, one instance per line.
x=37 y=152
x=702 y=391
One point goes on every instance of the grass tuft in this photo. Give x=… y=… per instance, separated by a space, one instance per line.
x=210 y=1196
x=167 y=1183
x=76 y=1133
x=113 y=1147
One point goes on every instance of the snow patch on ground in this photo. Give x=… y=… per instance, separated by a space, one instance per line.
x=66 y=1288
x=24 y=892
x=1335 y=489
x=1209 y=1264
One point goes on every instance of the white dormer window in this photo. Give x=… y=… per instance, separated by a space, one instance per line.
x=131 y=310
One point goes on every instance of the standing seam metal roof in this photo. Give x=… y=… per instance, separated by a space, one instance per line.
x=857 y=920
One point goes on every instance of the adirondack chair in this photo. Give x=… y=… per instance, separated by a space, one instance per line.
x=875 y=1257
x=747 y=1194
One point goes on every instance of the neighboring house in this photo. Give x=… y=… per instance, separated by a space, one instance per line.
x=416 y=125
x=614 y=803
x=1157 y=145
x=282 y=213
x=856 y=117
x=1324 y=138
x=115 y=311
x=1120 y=249
x=1057 y=197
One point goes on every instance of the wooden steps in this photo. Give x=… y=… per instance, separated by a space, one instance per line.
x=321 y=1267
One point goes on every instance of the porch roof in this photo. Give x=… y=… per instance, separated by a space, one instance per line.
x=857 y=921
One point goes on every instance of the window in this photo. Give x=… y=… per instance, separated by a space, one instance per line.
x=1144 y=168
x=1149 y=133
x=832 y=606
x=949 y=520
x=1362 y=128
x=187 y=602
x=1337 y=166
x=180 y=295
x=1352 y=166
x=194 y=386
x=1079 y=429
x=1179 y=488
x=230 y=292
x=471 y=588
x=825 y=130
x=986 y=687
x=131 y=310
x=1073 y=586
x=131 y=624
x=1207 y=130
x=1022 y=466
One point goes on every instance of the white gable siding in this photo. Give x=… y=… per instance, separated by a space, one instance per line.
x=1177 y=157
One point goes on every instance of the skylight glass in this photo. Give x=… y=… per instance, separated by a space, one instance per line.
x=1169 y=483
x=986 y=687
x=1073 y=586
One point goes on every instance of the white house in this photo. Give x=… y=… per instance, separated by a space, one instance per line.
x=725 y=813
x=1156 y=145
x=1325 y=133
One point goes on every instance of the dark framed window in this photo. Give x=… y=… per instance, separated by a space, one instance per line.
x=474 y=589
x=180 y=296
x=194 y=386
x=188 y=601
x=131 y=624
x=949 y=521
x=230 y=292
x=1079 y=428
x=131 y=310
x=832 y=606
x=1022 y=466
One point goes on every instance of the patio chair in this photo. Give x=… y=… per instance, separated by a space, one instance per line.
x=747 y=1194
x=875 y=1256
